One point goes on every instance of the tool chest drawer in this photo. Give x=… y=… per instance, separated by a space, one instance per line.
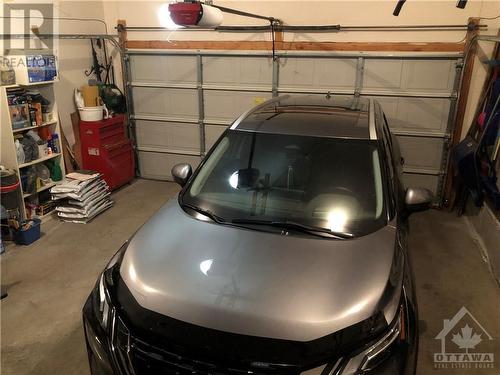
x=106 y=149
x=102 y=133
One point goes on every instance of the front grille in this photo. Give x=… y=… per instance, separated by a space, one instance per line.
x=138 y=357
x=150 y=360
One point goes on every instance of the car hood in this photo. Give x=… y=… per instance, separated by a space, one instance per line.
x=255 y=283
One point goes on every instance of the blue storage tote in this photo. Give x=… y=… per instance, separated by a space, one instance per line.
x=28 y=236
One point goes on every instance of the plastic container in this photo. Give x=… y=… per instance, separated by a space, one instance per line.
x=19 y=152
x=42 y=150
x=91 y=113
x=28 y=178
x=24 y=181
x=43 y=173
x=7 y=74
x=48 y=116
x=55 y=142
x=28 y=236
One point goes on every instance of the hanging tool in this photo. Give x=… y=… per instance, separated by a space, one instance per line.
x=399 y=5
x=96 y=67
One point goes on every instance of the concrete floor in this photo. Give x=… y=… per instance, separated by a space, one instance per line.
x=48 y=282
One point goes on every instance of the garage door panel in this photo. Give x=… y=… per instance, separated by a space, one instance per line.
x=429 y=75
x=225 y=106
x=157 y=165
x=164 y=69
x=237 y=71
x=168 y=136
x=420 y=152
x=317 y=73
x=390 y=107
x=416 y=114
x=163 y=102
x=382 y=74
x=421 y=180
x=212 y=134
x=423 y=114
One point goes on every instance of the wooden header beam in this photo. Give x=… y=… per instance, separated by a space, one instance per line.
x=296 y=46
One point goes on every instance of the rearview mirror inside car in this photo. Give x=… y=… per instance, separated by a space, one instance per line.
x=248 y=177
x=418 y=199
x=181 y=173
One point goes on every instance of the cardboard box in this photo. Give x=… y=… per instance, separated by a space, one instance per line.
x=90 y=95
x=19 y=116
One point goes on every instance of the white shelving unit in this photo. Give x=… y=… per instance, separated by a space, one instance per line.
x=34 y=127
x=8 y=135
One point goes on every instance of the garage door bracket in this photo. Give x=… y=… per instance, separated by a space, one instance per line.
x=201 y=104
x=360 y=69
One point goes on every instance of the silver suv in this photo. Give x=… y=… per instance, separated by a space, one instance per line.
x=285 y=253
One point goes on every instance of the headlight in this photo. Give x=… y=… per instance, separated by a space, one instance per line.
x=103 y=315
x=376 y=353
x=370 y=358
x=102 y=306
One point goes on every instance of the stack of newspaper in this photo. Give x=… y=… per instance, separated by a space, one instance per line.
x=81 y=196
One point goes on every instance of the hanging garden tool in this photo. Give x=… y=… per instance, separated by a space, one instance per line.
x=96 y=68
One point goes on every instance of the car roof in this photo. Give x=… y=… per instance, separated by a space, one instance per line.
x=334 y=116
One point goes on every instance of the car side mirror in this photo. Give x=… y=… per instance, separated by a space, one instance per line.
x=418 y=199
x=181 y=173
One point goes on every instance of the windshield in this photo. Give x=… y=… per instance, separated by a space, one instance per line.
x=330 y=183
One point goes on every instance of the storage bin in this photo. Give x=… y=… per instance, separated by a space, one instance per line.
x=28 y=236
x=91 y=114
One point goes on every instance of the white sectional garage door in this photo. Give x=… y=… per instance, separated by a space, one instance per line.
x=183 y=101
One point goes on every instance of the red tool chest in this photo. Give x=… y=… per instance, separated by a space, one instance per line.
x=106 y=149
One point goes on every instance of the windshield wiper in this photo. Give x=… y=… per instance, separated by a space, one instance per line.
x=204 y=212
x=315 y=231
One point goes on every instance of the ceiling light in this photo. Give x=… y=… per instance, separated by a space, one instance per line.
x=165 y=18
x=233 y=180
x=337 y=219
x=205 y=266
